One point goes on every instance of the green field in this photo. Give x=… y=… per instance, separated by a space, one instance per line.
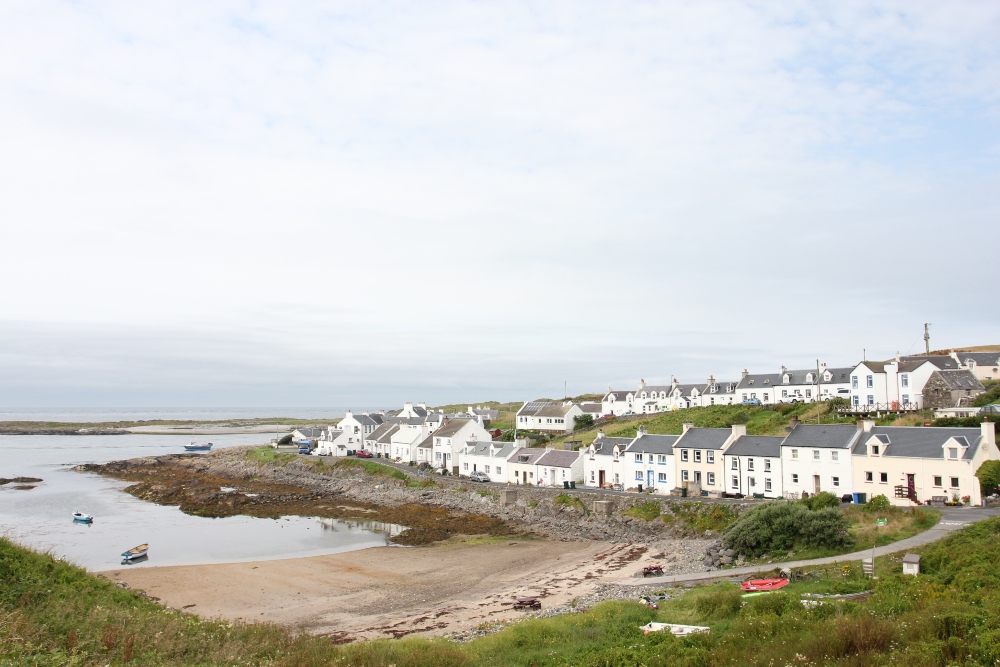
x=52 y=613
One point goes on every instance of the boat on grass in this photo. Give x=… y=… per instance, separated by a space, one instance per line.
x=80 y=517
x=196 y=447
x=763 y=585
x=136 y=552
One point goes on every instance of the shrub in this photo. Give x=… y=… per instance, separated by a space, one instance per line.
x=991 y=395
x=719 y=605
x=826 y=528
x=776 y=604
x=821 y=500
x=286 y=440
x=582 y=422
x=877 y=504
x=778 y=525
x=989 y=477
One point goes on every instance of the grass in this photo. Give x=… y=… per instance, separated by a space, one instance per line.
x=568 y=500
x=371 y=468
x=53 y=613
x=269 y=455
x=645 y=511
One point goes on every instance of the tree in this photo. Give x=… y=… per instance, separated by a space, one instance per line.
x=989 y=477
x=582 y=422
x=286 y=440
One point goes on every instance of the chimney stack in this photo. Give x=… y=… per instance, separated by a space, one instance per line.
x=782 y=370
x=744 y=373
x=687 y=426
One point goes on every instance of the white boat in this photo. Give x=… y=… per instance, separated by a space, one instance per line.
x=80 y=517
x=136 y=552
x=195 y=447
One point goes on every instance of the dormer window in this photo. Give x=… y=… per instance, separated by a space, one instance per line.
x=784 y=378
x=953 y=452
x=875 y=450
x=809 y=378
x=751 y=382
x=767 y=381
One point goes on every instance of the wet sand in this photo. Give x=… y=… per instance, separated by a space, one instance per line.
x=389 y=591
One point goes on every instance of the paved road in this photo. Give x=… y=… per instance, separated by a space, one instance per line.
x=952 y=519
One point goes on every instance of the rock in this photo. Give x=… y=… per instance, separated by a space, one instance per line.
x=726 y=560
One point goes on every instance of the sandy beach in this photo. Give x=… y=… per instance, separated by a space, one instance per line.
x=389 y=591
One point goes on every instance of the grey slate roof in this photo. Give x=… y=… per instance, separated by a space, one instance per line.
x=605 y=445
x=413 y=421
x=382 y=433
x=941 y=361
x=619 y=395
x=756 y=445
x=924 y=442
x=371 y=419
x=759 y=381
x=451 y=428
x=840 y=376
x=544 y=409
x=653 y=443
x=687 y=388
x=482 y=448
x=530 y=454
x=427 y=443
x=960 y=380
x=831 y=436
x=704 y=438
x=558 y=458
x=981 y=358
x=592 y=408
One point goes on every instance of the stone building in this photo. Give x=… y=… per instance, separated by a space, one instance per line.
x=951 y=389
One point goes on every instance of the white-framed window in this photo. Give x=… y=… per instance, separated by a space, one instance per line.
x=953 y=452
x=869 y=476
x=487 y=469
x=795 y=454
x=784 y=393
x=697 y=456
x=869 y=381
x=767 y=465
x=437 y=456
x=650 y=458
x=875 y=450
x=906 y=399
x=749 y=464
x=854 y=382
x=736 y=482
x=835 y=455
x=661 y=459
x=809 y=393
x=795 y=478
x=710 y=455
x=954 y=482
x=904 y=380
x=684 y=475
x=735 y=465
x=661 y=477
x=765 y=397
x=883 y=478
x=684 y=455
x=465 y=466
x=836 y=481
x=591 y=475
x=815 y=455
x=871 y=399
x=638 y=475
x=752 y=482
x=938 y=480
x=710 y=478
x=856 y=400
x=638 y=458
x=767 y=483
x=499 y=471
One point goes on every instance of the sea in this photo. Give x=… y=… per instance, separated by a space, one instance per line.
x=41 y=517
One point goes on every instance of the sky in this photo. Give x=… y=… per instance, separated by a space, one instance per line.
x=298 y=203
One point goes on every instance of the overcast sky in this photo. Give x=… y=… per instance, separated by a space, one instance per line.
x=224 y=204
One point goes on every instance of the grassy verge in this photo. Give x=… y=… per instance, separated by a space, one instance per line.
x=269 y=455
x=52 y=613
x=370 y=468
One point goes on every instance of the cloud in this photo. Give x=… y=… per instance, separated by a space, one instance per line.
x=368 y=199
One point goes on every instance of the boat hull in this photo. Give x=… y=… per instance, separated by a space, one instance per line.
x=136 y=552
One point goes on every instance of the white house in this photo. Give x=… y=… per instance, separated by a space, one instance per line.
x=718 y=393
x=811 y=384
x=618 y=402
x=450 y=440
x=911 y=464
x=548 y=416
x=984 y=365
x=411 y=411
x=521 y=465
x=753 y=466
x=760 y=386
x=899 y=383
x=649 y=459
x=489 y=457
x=684 y=396
x=817 y=457
x=557 y=466
x=698 y=455
x=404 y=441
x=379 y=441
x=651 y=398
x=604 y=463
x=349 y=434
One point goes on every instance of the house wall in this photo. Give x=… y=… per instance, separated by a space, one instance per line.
x=613 y=467
x=656 y=471
x=765 y=393
x=761 y=474
x=556 y=475
x=617 y=407
x=802 y=462
x=938 y=394
x=447 y=450
x=494 y=466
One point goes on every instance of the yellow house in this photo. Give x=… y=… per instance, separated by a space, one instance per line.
x=919 y=463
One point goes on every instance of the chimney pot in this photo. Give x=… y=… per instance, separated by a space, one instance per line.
x=687 y=426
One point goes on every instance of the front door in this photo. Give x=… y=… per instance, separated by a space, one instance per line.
x=697 y=477
x=815 y=483
x=911 y=486
x=600 y=478
x=649 y=479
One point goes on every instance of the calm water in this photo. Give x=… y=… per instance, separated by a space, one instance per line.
x=41 y=517
x=149 y=414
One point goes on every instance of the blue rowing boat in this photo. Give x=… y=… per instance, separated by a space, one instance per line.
x=136 y=552
x=80 y=517
x=195 y=447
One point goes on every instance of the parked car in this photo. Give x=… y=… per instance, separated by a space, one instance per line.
x=789 y=399
x=479 y=476
x=364 y=454
x=751 y=401
x=305 y=450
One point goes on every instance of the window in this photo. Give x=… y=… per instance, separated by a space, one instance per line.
x=638 y=475
x=784 y=393
x=638 y=458
x=650 y=458
x=767 y=483
x=854 y=381
x=684 y=455
x=684 y=475
x=856 y=400
x=815 y=455
x=809 y=393
x=871 y=399
x=795 y=453
x=836 y=481
x=661 y=459
x=834 y=456
x=437 y=456
x=904 y=380
x=749 y=464
x=752 y=482
x=874 y=450
x=711 y=479
x=937 y=481
x=954 y=482
x=697 y=456
x=661 y=477
x=906 y=399
x=795 y=478
x=883 y=478
x=744 y=396
x=465 y=466
x=499 y=470
x=953 y=452
x=591 y=475
x=869 y=477
x=736 y=482
x=869 y=382
x=765 y=397
x=735 y=465
x=711 y=456
x=767 y=465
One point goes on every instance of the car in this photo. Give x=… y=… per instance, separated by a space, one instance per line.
x=478 y=476
x=628 y=414
x=751 y=401
x=364 y=454
x=305 y=450
x=789 y=399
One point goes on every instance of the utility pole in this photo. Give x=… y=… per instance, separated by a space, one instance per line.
x=927 y=337
x=817 y=396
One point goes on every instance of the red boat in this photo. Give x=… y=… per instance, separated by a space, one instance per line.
x=758 y=585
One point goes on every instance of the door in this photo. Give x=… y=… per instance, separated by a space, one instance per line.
x=649 y=479
x=815 y=483
x=600 y=478
x=911 y=486
x=697 y=477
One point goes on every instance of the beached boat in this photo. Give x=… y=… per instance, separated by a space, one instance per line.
x=761 y=585
x=136 y=552
x=195 y=447
x=80 y=517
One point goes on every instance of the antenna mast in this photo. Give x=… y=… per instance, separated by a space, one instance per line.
x=927 y=337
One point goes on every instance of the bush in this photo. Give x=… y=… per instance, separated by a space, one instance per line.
x=582 y=422
x=778 y=526
x=719 y=605
x=989 y=477
x=821 y=500
x=286 y=440
x=877 y=504
x=991 y=395
x=826 y=528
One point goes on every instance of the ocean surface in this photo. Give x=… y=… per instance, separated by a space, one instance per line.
x=149 y=414
x=42 y=517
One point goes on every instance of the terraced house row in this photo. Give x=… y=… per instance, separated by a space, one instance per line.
x=907 y=464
